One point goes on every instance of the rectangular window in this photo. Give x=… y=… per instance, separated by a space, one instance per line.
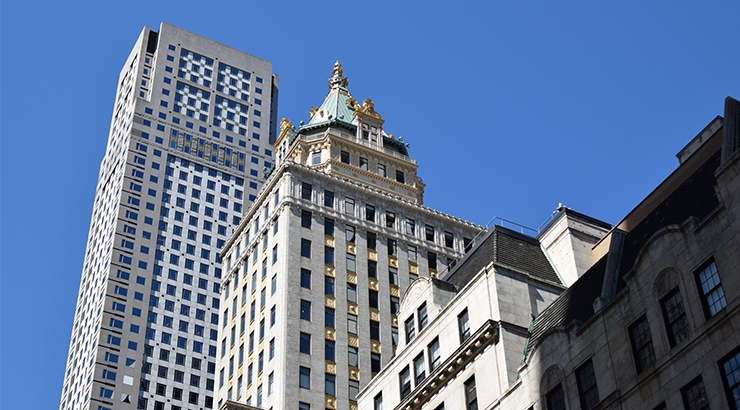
x=363 y=163
x=305 y=344
x=404 y=380
x=351 y=263
x=381 y=171
x=429 y=233
x=349 y=206
x=305 y=278
x=304 y=380
x=432 y=260
x=378 y=402
x=329 y=350
x=642 y=344
x=369 y=213
x=435 y=359
x=449 y=239
x=328 y=255
x=351 y=292
x=306 y=189
x=410 y=226
x=329 y=285
x=349 y=233
x=729 y=367
x=674 y=316
x=694 y=395
x=344 y=157
x=390 y=219
x=373 y=298
x=328 y=199
x=463 y=324
x=710 y=287
x=420 y=371
x=328 y=227
x=395 y=305
x=306 y=219
x=471 y=396
x=354 y=388
x=374 y=330
x=372 y=269
x=352 y=324
x=328 y=317
x=410 y=329
x=392 y=247
x=587 y=390
x=305 y=310
x=393 y=275
x=305 y=248
x=330 y=384
x=352 y=356
x=555 y=398
x=372 y=240
x=374 y=362
x=421 y=314
x=316 y=157
x=400 y=177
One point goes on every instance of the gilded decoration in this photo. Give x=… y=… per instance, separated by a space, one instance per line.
x=372 y=283
x=393 y=261
x=432 y=273
x=329 y=241
x=330 y=302
x=354 y=373
x=331 y=367
x=375 y=346
x=352 y=405
x=330 y=334
x=372 y=255
x=395 y=291
x=330 y=402
x=368 y=109
x=329 y=270
x=338 y=78
x=374 y=315
x=352 y=308
x=353 y=341
x=352 y=278
x=394 y=321
x=351 y=248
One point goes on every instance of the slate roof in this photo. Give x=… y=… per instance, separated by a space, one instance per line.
x=507 y=249
x=695 y=197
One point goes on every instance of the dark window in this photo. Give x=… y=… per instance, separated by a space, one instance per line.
x=400 y=177
x=329 y=199
x=304 y=380
x=349 y=233
x=432 y=260
x=328 y=317
x=467 y=244
x=674 y=315
x=710 y=287
x=344 y=156
x=471 y=396
x=329 y=285
x=586 y=380
x=449 y=239
x=374 y=362
x=463 y=324
x=694 y=396
x=372 y=239
x=390 y=219
x=429 y=233
x=392 y=247
x=378 y=402
x=369 y=213
x=374 y=330
x=730 y=369
x=408 y=326
x=306 y=191
x=305 y=310
x=330 y=384
x=373 y=298
x=305 y=278
x=305 y=248
x=305 y=346
x=422 y=316
x=328 y=255
x=328 y=227
x=372 y=269
x=420 y=371
x=556 y=398
x=404 y=380
x=329 y=350
x=435 y=359
x=306 y=219
x=642 y=344
x=395 y=305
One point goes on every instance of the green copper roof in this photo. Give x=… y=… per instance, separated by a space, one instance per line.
x=336 y=105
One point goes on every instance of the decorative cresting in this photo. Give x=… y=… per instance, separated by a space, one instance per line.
x=367 y=108
x=338 y=79
x=485 y=336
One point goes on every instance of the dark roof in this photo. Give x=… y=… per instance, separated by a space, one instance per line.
x=695 y=197
x=507 y=249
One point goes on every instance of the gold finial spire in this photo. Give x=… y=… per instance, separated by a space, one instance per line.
x=338 y=78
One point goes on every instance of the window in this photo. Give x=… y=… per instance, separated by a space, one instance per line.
x=349 y=233
x=429 y=233
x=463 y=325
x=694 y=396
x=642 y=344
x=390 y=219
x=432 y=260
x=393 y=275
x=363 y=163
x=305 y=344
x=373 y=298
x=713 y=295
x=422 y=316
x=352 y=324
x=328 y=255
x=330 y=382
x=305 y=248
x=449 y=239
x=351 y=292
x=369 y=213
x=400 y=177
x=344 y=157
x=395 y=305
x=304 y=380
x=410 y=330
x=329 y=350
x=730 y=369
x=375 y=362
x=381 y=171
x=419 y=369
x=329 y=285
x=316 y=157
x=674 y=316
x=329 y=199
x=306 y=219
x=392 y=247
x=404 y=380
x=372 y=240
x=586 y=380
x=349 y=206
x=305 y=278
x=410 y=226
x=378 y=402
x=352 y=356
x=305 y=310
x=555 y=398
x=329 y=317
x=306 y=191
x=328 y=227
x=304 y=406
x=471 y=396
x=372 y=269
x=435 y=359
x=374 y=330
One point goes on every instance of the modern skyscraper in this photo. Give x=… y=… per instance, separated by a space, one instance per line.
x=191 y=133
x=315 y=273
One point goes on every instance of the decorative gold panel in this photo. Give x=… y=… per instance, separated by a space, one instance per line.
x=330 y=302
x=352 y=278
x=354 y=373
x=352 y=308
x=329 y=241
x=353 y=341
x=330 y=334
x=331 y=367
x=372 y=255
x=330 y=402
x=432 y=273
x=394 y=321
x=352 y=405
x=329 y=270
x=372 y=283
x=351 y=248
x=375 y=346
x=413 y=268
x=392 y=261
x=374 y=315
x=395 y=291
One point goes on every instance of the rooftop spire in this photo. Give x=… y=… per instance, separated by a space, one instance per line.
x=338 y=79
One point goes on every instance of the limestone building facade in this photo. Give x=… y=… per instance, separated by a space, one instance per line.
x=191 y=131
x=645 y=314
x=315 y=272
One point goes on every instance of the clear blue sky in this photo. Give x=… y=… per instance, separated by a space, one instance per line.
x=509 y=107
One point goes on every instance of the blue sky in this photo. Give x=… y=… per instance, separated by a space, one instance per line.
x=510 y=108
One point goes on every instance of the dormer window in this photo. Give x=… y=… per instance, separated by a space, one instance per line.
x=316 y=157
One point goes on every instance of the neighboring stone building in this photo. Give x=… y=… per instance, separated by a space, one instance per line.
x=190 y=132
x=652 y=323
x=316 y=270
